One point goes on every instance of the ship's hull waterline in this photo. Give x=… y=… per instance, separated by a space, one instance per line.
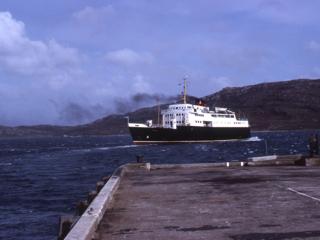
x=186 y=134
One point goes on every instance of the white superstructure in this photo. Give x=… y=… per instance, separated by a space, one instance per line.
x=199 y=116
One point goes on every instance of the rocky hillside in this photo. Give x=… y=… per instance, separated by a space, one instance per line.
x=273 y=106
x=268 y=106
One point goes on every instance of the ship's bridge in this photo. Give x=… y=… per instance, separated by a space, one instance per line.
x=185 y=108
x=179 y=114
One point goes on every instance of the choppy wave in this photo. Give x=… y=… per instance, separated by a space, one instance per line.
x=106 y=148
x=117 y=147
x=253 y=139
x=5 y=164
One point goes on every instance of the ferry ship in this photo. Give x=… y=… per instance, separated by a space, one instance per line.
x=185 y=122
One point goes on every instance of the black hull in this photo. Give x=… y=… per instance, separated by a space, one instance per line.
x=186 y=134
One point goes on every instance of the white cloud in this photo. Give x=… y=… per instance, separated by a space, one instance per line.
x=313 y=46
x=288 y=12
x=140 y=85
x=37 y=59
x=91 y=14
x=129 y=57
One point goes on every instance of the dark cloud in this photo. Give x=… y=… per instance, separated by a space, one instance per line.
x=141 y=100
x=145 y=97
x=74 y=113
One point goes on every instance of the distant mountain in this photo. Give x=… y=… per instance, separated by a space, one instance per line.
x=283 y=105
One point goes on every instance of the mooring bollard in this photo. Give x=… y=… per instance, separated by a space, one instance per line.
x=313 y=145
x=139 y=158
x=148 y=166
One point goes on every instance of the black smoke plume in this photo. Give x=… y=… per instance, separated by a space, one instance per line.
x=139 y=100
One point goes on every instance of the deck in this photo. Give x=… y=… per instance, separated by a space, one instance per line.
x=208 y=202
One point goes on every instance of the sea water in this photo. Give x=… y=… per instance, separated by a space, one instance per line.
x=43 y=178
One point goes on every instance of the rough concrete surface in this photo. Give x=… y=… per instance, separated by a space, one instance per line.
x=239 y=203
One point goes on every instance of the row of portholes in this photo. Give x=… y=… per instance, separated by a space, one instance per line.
x=171 y=114
x=167 y=122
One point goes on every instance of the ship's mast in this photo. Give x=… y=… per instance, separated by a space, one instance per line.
x=158 y=103
x=185 y=90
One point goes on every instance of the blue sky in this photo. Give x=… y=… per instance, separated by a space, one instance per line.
x=72 y=61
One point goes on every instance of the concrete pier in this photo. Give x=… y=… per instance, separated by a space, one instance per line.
x=212 y=201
